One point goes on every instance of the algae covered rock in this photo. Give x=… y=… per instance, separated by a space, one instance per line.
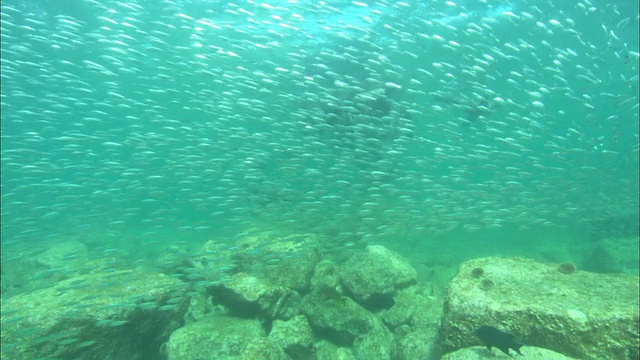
x=415 y=321
x=325 y=275
x=613 y=255
x=416 y=345
x=338 y=319
x=122 y=314
x=248 y=296
x=373 y=276
x=284 y=260
x=402 y=310
x=213 y=262
x=580 y=314
x=33 y=268
x=326 y=350
x=172 y=260
x=482 y=353
x=263 y=349
x=378 y=343
x=217 y=337
x=294 y=336
x=67 y=255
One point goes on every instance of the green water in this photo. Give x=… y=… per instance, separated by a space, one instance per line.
x=442 y=131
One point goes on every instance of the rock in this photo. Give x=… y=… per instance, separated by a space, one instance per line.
x=372 y=277
x=213 y=263
x=613 y=255
x=402 y=310
x=326 y=350
x=294 y=269
x=378 y=343
x=248 y=296
x=23 y=274
x=325 y=275
x=294 y=336
x=35 y=267
x=69 y=255
x=339 y=319
x=417 y=344
x=217 y=337
x=427 y=313
x=582 y=314
x=481 y=353
x=199 y=306
x=172 y=260
x=282 y=260
x=263 y=349
x=621 y=225
x=94 y=316
x=417 y=336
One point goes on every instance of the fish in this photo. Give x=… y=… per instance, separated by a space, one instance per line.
x=358 y=123
x=492 y=337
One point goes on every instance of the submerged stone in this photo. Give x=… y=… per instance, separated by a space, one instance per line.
x=585 y=315
x=95 y=316
x=373 y=276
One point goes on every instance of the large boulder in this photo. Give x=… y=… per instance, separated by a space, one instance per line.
x=337 y=318
x=613 y=255
x=378 y=343
x=482 y=353
x=222 y=337
x=326 y=350
x=212 y=263
x=69 y=255
x=294 y=336
x=417 y=344
x=248 y=296
x=36 y=267
x=576 y=313
x=325 y=275
x=123 y=314
x=372 y=277
x=286 y=260
x=415 y=322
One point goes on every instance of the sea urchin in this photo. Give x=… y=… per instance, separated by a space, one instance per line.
x=567 y=268
x=477 y=272
x=486 y=284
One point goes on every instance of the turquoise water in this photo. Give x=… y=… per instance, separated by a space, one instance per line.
x=158 y=122
x=444 y=131
x=151 y=123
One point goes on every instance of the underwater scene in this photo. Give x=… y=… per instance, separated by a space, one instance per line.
x=292 y=179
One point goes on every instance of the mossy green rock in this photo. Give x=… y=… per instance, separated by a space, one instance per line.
x=123 y=314
x=248 y=296
x=70 y=255
x=378 y=343
x=284 y=260
x=613 y=255
x=417 y=344
x=213 y=262
x=402 y=311
x=584 y=315
x=326 y=350
x=340 y=320
x=34 y=268
x=263 y=349
x=294 y=336
x=482 y=353
x=216 y=337
x=417 y=336
x=325 y=275
x=376 y=272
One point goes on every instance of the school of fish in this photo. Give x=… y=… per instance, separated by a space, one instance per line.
x=353 y=119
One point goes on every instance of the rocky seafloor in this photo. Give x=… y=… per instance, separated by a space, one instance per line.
x=283 y=298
